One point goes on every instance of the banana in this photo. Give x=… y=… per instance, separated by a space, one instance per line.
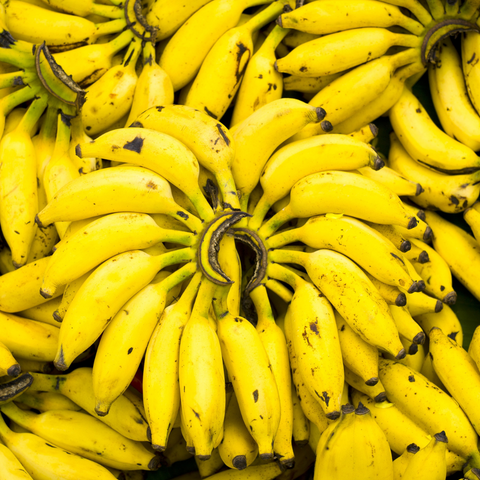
x=449 y=193
x=207 y=138
x=352 y=238
x=34 y=365
x=44 y=401
x=330 y=16
x=392 y=295
x=274 y=342
x=397 y=183
x=419 y=303
x=110 y=98
x=34 y=24
x=88 y=63
x=168 y=17
x=471 y=70
x=127 y=188
x=8 y=365
x=326 y=192
x=453 y=95
x=79 y=432
x=356 y=89
x=430 y=374
x=237 y=449
x=452 y=363
x=13 y=388
x=345 y=285
x=154 y=150
x=341 y=51
x=125 y=340
x=429 y=407
x=102 y=295
x=463 y=266
x=284 y=168
x=301 y=424
x=389 y=232
x=186 y=50
x=261 y=133
x=224 y=66
x=358 y=356
x=104 y=238
x=86 y=8
x=261 y=83
x=429 y=462
x=160 y=382
x=375 y=392
x=11 y=466
x=472 y=216
x=310 y=85
x=27 y=338
x=424 y=141
x=407 y=327
x=400 y=464
x=210 y=466
x=78 y=135
x=40 y=460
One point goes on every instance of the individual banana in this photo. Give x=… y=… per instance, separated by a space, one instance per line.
x=429 y=407
x=8 y=365
x=407 y=327
x=310 y=85
x=283 y=169
x=471 y=70
x=419 y=303
x=390 y=232
x=375 y=392
x=325 y=192
x=472 y=216
x=301 y=424
x=137 y=190
x=44 y=401
x=11 y=466
x=79 y=432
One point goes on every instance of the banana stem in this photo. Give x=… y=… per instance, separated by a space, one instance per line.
x=204 y=298
x=227 y=187
x=261 y=301
x=404 y=58
x=148 y=53
x=259 y=212
x=279 y=289
x=33 y=114
x=416 y=8
x=16 y=58
x=270 y=227
x=265 y=16
x=279 y=272
x=179 y=276
x=13 y=79
x=452 y=7
x=220 y=304
x=177 y=256
x=200 y=203
x=274 y=38
x=469 y=9
x=408 y=40
x=120 y=42
x=107 y=28
x=436 y=8
x=189 y=294
x=416 y=69
x=256 y=3
x=13 y=100
x=177 y=236
x=133 y=52
x=283 y=238
x=62 y=140
x=192 y=222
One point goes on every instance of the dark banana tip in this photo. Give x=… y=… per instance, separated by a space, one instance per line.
x=57 y=316
x=413 y=349
x=266 y=456
x=326 y=126
x=401 y=354
x=419 y=338
x=419 y=190
x=372 y=381
x=279 y=21
x=14 y=370
x=78 y=151
x=240 y=462
x=421 y=286
x=441 y=437
x=101 y=413
x=413 y=448
x=203 y=458
x=401 y=300
x=423 y=257
x=333 y=415
x=406 y=246
x=288 y=463
x=361 y=409
x=428 y=235
x=373 y=129
x=421 y=215
x=321 y=113
x=155 y=463
x=38 y=222
x=157 y=448
x=18 y=265
x=348 y=408
x=45 y=294
x=275 y=66
x=287 y=8
x=413 y=288
x=381 y=397
x=438 y=306
x=378 y=163
x=412 y=223
x=450 y=298
x=149 y=436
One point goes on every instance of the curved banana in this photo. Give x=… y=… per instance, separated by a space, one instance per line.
x=157 y=151
x=160 y=381
x=207 y=138
x=397 y=183
x=299 y=159
x=353 y=238
x=375 y=392
x=407 y=327
x=424 y=141
x=326 y=192
x=332 y=16
x=258 y=136
x=8 y=365
x=429 y=407
x=125 y=340
x=40 y=459
x=83 y=434
x=126 y=188
x=471 y=69
x=392 y=295
x=341 y=51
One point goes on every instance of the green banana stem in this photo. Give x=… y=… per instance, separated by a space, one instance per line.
x=265 y=16
x=279 y=272
x=283 y=238
x=279 y=289
x=469 y=9
x=272 y=225
x=204 y=298
x=274 y=38
x=33 y=114
x=436 y=8
x=107 y=28
x=263 y=307
x=452 y=8
x=177 y=236
x=62 y=140
x=17 y=58
x=177 y=256
x=180 y=275
x=259 y=212
x=133 y=52
x=227 y=187
x=13 y=79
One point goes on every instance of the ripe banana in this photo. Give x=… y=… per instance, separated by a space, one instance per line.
x=472 y=216
x=471 y=69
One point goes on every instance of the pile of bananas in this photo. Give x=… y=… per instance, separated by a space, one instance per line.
x=196 y=264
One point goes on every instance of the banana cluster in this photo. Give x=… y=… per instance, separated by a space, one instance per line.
x=278 y=291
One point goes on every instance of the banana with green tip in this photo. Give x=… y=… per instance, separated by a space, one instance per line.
x=126 y=188
x=296 y=160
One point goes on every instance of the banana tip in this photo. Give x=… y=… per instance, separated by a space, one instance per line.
x=321 y=114
x=240 y=462
x=333 y=415
x=361 y=409
x=101 y=409
x=381 y=397
x=413 y=448
x=326 y=126
x=348 y=408
x=419 y=338
x=378 y=163
x=154 y=463
x=45 y=293
x=428 y=235
x=401 y=300
x=438 y=306
x=423 y=257
x=421 y=286
x=420 y=190
x=38 y=221
x=266 y=456
x=56 y=316
x=279 y=21
x=441 y=437
x=413 y=349
x=371 y=382
x=405 y=246
x=373 y=129
x=450 y=298
x=78 y=151
x=412 y=223
x=18 y=264
x=401 y=354
x=15 y=370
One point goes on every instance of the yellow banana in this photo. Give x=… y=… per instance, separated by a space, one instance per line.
x=407 y=327
x=430 y=374
x=429 y=407
x=308 y=84
x=85 y=8
x=44 y=401
x=375 y=392
x=326 y=192
x=154 y=150
x=8 y=365
x=419 y=303
x=392 y=295
x=401 y=462
x=78 y=433
x=471 y=69
x=472 y=216
x=284 y=168
x=397 y=238
x=35 y=365
x=160 y=381
x=11 y=467
x=301 y=424
x=267 y=471
x=397 y=183
x=210 y=466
